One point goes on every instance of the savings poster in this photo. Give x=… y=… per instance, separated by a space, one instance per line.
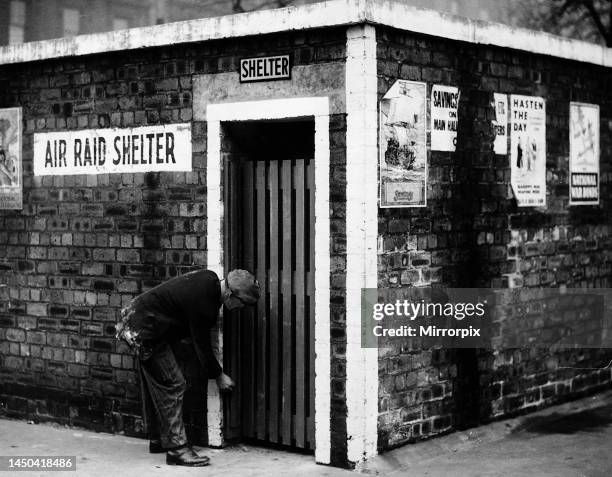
x=528 y=149
x=584 y=154
x=11 y=184
x=403 y=145
x=444 y=108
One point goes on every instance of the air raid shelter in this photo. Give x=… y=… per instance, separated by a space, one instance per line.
x=328 y=148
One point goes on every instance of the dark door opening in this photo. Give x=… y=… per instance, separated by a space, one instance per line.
x=269 y=230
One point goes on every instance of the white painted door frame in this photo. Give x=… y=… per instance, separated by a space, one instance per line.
x=317 y=108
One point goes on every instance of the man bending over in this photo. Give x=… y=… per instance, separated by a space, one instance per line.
x=185 y=306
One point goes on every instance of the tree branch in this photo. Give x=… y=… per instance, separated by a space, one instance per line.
x=567 y=4
x=588 y=4
x=609 y=37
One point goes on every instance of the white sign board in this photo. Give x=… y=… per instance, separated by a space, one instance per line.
x=528 y=149
x=444 y=106
x=584 y=154
x=265 y=68
x=500 y=145
x=103 y=151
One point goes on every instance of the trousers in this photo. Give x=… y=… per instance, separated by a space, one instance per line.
x=162 y=387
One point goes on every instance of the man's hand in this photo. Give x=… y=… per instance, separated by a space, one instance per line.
x=225 y=383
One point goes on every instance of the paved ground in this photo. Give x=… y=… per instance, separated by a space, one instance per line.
x=570 y=440
x=573 y=439
x=106 y=455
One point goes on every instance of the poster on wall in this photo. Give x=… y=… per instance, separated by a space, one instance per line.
x=500 y=124
x=113 y=150
x=528 y=149
x=584 y=154
x=403 y=145
x=444 y=108
x=11 y=184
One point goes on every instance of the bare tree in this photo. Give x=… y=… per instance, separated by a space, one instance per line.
x=238 y=8
x=589 y=20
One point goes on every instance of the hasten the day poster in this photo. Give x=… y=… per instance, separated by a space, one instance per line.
x=528 y=149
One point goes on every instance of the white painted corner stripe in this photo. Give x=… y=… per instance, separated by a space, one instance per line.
x=361 y=233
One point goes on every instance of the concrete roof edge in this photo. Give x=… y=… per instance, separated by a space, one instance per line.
x=431 y=22
x=316 y=15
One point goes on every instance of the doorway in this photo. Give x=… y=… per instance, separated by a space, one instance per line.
x=269 y=350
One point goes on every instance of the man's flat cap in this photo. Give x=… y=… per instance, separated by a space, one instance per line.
x=244 y=286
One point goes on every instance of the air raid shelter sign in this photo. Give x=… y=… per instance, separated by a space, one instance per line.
x=102 y=151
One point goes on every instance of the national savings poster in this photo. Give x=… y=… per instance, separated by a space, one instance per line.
x=528 y=149
x=11 y=184
x=584 y=154
x=403 y=145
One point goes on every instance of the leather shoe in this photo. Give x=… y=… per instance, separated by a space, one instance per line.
x=155 y=447
x=186 y=456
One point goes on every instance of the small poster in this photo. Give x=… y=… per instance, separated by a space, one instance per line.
x=444 y=107
x=500 y=124
x=584 y=154
x=403 y=145
x=528 y=150
x=11 y=183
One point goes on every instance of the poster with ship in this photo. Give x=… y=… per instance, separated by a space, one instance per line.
x=403 y=145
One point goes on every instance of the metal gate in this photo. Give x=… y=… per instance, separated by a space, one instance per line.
x=269 y=350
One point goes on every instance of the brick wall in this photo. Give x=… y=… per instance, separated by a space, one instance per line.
x=84 y=246
x=472 y=234
x=337 y=226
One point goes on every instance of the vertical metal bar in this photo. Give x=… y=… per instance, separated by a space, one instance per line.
x=310 y=184
x=286 y=292
x=301 y=321
x=262 y=306
x=273 y=285
x=231 y=330
x=235 y=231
x=247 y=319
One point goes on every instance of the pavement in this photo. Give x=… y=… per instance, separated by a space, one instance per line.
x=572 y=439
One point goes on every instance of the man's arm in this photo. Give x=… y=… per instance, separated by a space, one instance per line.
x=209 y=362
x=200 y=337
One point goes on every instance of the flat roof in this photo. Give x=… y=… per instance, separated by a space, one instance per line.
x=316 y=15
